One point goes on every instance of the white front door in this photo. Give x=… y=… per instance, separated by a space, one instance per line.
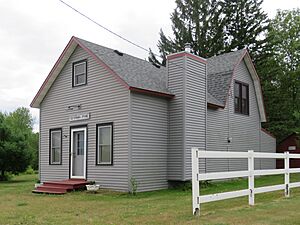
x=78 y=152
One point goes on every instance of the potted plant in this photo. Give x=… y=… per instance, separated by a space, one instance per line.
x=93 y=187
x=38 y=184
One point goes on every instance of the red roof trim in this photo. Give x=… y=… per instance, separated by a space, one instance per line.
x=53 y=68
x=155 y=93
x=182 y=54
x=268 y=132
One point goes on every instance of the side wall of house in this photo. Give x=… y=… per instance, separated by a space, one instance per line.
x=244 y=130
x=107 y=101
x=268 y=144
x=149 y=141
x=195 y=106
x=175 y=148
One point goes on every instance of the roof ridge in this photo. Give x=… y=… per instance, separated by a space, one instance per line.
x=226 y=53
x=135 y=57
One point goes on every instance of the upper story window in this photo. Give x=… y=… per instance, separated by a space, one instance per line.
x=79 y=73
x=241 y=98
x=55 y=146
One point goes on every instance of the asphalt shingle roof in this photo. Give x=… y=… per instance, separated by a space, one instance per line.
x=134 y=71
x=143 y=74
x=219 y=73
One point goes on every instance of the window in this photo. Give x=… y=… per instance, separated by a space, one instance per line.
x=241 y=98
x=55 y=146
x=79 y=73
x=104 y=144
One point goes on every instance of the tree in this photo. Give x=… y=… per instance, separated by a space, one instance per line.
x=280 y=73
x=16 y=140
x=246 y=25
x=215 y=26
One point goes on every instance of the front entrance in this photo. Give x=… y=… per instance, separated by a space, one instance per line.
x=78 y=153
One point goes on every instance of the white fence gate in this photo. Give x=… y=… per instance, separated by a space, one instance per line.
x=250 y=173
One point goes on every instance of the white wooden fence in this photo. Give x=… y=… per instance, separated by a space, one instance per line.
x=250 y=173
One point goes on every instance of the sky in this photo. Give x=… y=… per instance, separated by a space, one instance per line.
x=33 y=33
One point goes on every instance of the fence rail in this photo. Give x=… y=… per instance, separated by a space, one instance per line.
x=250 y=173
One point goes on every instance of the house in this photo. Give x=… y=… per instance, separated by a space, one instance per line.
x=108 y=117
x=289 y=144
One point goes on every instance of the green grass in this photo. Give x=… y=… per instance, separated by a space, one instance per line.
x=19 y=206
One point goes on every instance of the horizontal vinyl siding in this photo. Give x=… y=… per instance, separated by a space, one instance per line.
x=268 y=144
x=217 y=133
x=195 y=112
x=149 y=141
x=175 y=149
x=244 y=130
x=107 y=101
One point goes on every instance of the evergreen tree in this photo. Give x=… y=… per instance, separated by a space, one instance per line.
x=215 y=26
x=245 y=25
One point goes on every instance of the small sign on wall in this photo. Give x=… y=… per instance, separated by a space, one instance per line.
x=291 y=148
x=78 y=117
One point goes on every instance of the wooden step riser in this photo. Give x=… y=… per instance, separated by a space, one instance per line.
x=49 y=192
x=52 y=188
x=59 y=185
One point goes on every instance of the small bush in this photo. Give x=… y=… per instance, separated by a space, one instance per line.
x=29 y=170
x=134 y=186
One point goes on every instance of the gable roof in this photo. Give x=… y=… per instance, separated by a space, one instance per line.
x=142 y=76
x=219 y=74
x=133 y=73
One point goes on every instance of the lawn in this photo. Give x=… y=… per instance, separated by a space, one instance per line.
x=19 y=206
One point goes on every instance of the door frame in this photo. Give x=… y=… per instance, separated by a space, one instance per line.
x=72 y=129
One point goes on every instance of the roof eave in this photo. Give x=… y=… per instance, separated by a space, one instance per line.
x=214 y=106
x=150 y=92
x=63 y=58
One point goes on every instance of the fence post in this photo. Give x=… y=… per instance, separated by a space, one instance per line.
x=287 y=174
x=195 y=182
x=251 y=177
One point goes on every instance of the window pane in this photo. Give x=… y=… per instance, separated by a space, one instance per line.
x=105 y=153
x=104 y=144
x=80 y=79
x=56 y=139
x=79 y=68
x=56 y=155
x=104 y=135
x=55 y=146
x=237 y=104
x=244 y=91
x=244 y=106
x=79 y=142
x=236 y=89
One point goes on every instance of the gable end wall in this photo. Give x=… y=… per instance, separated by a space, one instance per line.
x=107 y=101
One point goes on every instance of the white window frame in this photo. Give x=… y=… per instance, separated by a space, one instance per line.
x=99 y=126
x=51 y=146
x=83 y=62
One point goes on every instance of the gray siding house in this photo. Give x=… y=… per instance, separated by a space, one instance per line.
x=108 y=117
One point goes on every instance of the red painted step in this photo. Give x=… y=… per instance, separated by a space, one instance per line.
x=60 y=187
x=49 y=192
